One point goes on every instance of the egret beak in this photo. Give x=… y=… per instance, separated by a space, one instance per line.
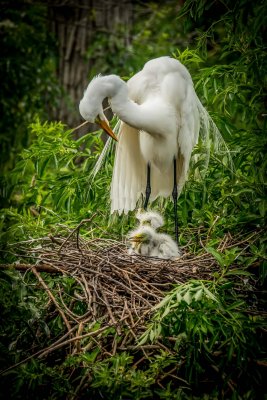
x=106 y=128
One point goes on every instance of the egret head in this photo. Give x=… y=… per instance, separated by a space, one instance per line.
x=90 y=106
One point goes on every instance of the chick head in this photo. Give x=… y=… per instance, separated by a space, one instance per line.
x=150 y=218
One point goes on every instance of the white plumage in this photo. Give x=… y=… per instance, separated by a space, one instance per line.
x=160 y=117
x=151 y=218
x=145 y=241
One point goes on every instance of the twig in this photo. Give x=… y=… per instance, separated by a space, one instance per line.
x=66 y=342
x=42 y=282
x=25 y=267
x=75 y=229
x=119 y=291
x=80 y=126
x=110 y=312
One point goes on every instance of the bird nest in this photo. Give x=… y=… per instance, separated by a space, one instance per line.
x=116 y=292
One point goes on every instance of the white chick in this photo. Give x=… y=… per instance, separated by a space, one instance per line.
x=145 y=241
x=166 y=247
x=151 y=218
x=142 y=241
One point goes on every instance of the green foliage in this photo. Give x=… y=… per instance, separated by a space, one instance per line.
x=27 y=70
x=232 y=84
x=21 y=313
x=28 y=322
x=206 y=321
x=33 y=376
x=118 y=378
x=199 y=329
x=151 y=36
x=205 y=330
x=51 y=181
x=49 y=171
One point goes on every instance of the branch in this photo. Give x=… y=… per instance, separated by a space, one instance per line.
x=77 y=228
x=26 y=267
x=42 y=282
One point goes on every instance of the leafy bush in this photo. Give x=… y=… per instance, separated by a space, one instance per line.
x=27 y=66
x=209 y=334
x=206 y=321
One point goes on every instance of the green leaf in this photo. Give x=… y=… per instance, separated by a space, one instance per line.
x=218 y=256
x=187 y=297
x=166 y=312
x=238 y=272
x=198 y=294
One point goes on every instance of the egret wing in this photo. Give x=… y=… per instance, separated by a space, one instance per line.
x=129 y=171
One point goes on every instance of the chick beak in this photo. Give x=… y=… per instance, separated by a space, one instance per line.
x=106 y=128
x=137 y=238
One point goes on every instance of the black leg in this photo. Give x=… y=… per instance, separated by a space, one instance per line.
x=175 y=196
x=148 y=186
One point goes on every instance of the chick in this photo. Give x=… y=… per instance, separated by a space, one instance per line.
x=142 y=241
x=145 y=241
x=150 y=218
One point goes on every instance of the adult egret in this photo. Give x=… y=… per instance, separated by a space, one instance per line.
x=145 y=241
x=161 y=117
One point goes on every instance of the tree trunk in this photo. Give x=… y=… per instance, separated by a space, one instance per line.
x=75 y=25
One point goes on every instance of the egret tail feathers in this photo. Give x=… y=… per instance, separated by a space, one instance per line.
x=211 y=141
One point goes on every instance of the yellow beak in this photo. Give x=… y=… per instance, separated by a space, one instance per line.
x=106 y=128
x=139 y=238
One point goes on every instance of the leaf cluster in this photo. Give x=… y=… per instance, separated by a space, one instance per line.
x=27 y=68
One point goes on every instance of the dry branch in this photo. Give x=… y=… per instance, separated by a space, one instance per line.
x=112 y=289
x=27 y=267
x=42 y=282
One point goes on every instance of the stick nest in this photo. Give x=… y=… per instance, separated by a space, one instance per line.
x=115 y=292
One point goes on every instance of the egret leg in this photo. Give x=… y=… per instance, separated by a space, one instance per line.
x=148 y=186
x=175 y=196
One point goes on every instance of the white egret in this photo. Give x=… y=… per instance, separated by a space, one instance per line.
x=151 y=218
x=161 y=117
x=145 y=241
